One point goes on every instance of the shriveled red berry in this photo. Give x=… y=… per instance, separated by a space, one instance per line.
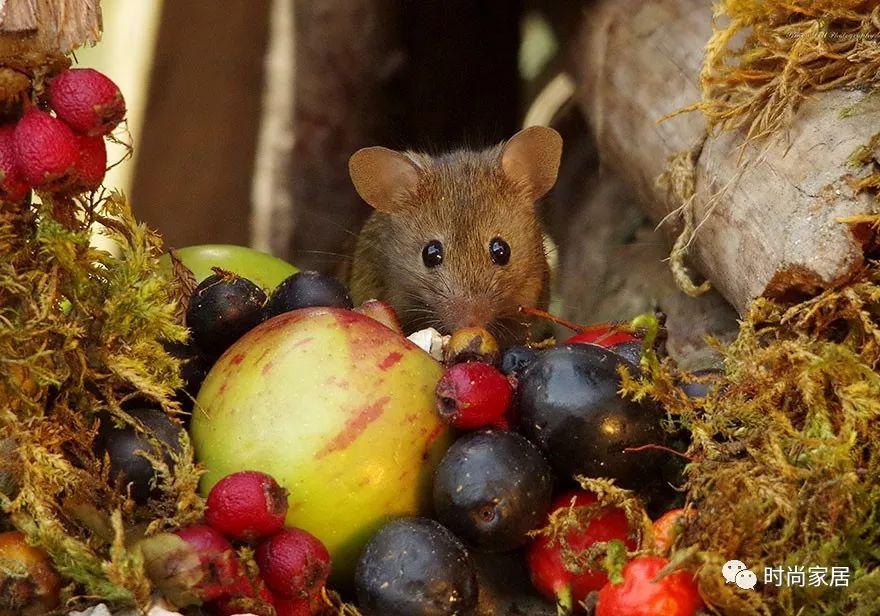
x=675 y=594
x=222 y=574
x=474 y=395
x=46 y=149
x=545 y=561
x=12 y=184
x=247 y=506
x=294 y=563
x=87 y=100
x=91 y=165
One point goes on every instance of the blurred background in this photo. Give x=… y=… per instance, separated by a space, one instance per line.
x=243 y=114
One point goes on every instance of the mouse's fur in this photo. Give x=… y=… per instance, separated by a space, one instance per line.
x=464 y=199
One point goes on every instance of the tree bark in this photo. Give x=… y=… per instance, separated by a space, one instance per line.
x=611 y=268
x=767 y=221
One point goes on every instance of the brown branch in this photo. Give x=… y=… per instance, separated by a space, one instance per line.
x=543 y=314
x=659 y=448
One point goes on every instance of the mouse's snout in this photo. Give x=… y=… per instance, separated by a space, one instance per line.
x=461 y=312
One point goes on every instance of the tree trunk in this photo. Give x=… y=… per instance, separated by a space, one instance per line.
x=767 y=222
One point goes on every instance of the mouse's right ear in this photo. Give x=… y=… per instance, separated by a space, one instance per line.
x=382 y=176
x=532 y=157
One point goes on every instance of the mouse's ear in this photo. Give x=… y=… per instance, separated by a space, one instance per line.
x=532 y=157
x=381 y=176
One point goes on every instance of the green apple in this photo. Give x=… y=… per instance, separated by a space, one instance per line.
x=340 y=410
x=260 y=268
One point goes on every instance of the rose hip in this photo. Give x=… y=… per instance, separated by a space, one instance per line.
x=294 y=564
x=474 y=395
x=247 y=506
x=675 y=594
x=12 y=184
x=223 y=576
x=87 y=100
x=46 y=149
x=91 y=165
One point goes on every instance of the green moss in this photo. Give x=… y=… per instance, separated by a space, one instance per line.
x=785 y=452
x=81 y=332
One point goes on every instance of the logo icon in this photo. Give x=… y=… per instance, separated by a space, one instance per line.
x=736 y=572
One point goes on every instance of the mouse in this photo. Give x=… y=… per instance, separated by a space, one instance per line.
x=455 y=240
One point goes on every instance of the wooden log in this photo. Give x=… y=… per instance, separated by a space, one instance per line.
x=611 y=260
x=611 y=268
x=766 y=215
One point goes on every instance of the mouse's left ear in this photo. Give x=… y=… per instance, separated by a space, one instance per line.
x=532 y=157
x=382 y=176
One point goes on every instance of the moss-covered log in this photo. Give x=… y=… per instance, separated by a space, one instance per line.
x=765 y=213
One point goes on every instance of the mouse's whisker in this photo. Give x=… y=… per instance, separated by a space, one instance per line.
x=323 y=252
x=329 y=221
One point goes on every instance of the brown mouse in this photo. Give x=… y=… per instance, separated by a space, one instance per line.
x=455 y=240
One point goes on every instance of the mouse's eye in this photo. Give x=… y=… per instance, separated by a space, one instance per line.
x=500 y=251
x=432 y=253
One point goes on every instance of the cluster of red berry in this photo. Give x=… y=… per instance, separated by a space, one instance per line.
x=65 y=152
x=249 y=508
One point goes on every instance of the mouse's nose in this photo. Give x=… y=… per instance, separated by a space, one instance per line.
x=467 y=312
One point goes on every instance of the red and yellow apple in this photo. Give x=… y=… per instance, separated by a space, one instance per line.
x=339 y=409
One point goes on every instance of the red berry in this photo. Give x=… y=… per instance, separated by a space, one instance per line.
x=294 y=563
x=247 y=506
x=46 y=149
x=605 y=337
x=673 y=595
x=87 y=100
x=91 y=164
x=474 y=395
x=546 y=565
x=223 y=576
x=12 y=184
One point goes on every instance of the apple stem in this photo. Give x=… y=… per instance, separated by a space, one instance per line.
x=564 y=603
